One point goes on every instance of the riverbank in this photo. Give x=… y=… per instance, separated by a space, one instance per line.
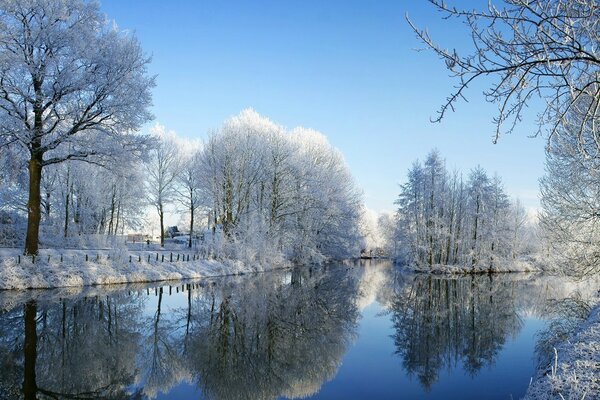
x=574 y=372
x=71 y=268
x=504 y=267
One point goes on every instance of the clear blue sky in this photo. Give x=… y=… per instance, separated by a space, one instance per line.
x=346 y=68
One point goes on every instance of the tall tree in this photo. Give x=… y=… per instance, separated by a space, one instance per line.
x=189 y=185
x=72 y=87
x=162 y=169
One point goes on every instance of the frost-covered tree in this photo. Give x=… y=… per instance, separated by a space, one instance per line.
x=72 y=87
x=189 y=187
x=443 y=220
x=162 y=170
x=570 y=215
x=532 y=51
x=279 y=193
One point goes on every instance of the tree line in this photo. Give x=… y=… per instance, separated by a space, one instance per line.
x=540 y=56
x=258 y=188
x=447 y=219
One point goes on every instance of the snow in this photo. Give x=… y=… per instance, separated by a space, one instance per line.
x=109 y=267
x=519 y=265
x=575 y=370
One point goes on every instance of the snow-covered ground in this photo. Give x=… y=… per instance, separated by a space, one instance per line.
x=68 y=268
x=514 y=266
x=575 y=369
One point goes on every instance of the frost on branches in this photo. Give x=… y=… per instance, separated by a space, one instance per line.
x=279 y=193
x=444 y=219
x=72 y=87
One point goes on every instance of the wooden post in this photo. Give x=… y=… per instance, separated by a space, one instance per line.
x=86 y=257
x=171 y=259
x=162 y=258
x=156 y=256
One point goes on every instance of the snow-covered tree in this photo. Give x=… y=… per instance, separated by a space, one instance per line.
x=162 y=170
x=570 y=215
x=189 y=186
x=280 y=193
x=443 y=220
x=532 y=51
x=72 y=87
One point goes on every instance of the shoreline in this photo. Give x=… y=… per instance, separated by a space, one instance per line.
x=75 y=268
x=574 y=372
x=438 y=269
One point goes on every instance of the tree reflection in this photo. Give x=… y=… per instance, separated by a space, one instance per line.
x=441 y=322
x=257 y=337
x=78 y=350
x=263 y=339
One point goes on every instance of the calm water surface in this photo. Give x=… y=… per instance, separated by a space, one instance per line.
x=341 y=332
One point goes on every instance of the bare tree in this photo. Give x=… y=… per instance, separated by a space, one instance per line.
x=189 y=185
x=163 y=168
x=71 y=87
x=533 y=50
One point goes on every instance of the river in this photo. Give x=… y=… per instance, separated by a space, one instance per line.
x=345 y=331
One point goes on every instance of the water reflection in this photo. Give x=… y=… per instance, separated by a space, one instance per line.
x=265 y=336
x=257 y=337
x=443 y=322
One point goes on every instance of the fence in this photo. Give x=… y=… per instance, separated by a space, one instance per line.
x=97 y=257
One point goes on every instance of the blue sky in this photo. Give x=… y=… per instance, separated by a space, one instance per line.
x=349 y=69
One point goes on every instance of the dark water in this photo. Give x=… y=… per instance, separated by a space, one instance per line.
x=343 y=332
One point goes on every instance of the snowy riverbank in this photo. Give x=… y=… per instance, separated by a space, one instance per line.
x=69 y=268
x=514 y=266
x=575 y=370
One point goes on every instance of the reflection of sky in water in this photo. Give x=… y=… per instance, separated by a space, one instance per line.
x=371 y=370
x=342 y=333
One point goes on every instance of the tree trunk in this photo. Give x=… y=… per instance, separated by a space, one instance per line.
x=33 y=205
x=30 y=351
x=162 y=226
x=67 y=197
x=191 y=225
x=474 y=248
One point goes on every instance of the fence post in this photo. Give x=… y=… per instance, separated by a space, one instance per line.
x=86 y=257
x=156 y=256
x=140 y=258
x=19 y=259
x=148 y=258
x=130 y=258
x=171 y=259
x=48 y=259
x=177 y=257
x=162 y=259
